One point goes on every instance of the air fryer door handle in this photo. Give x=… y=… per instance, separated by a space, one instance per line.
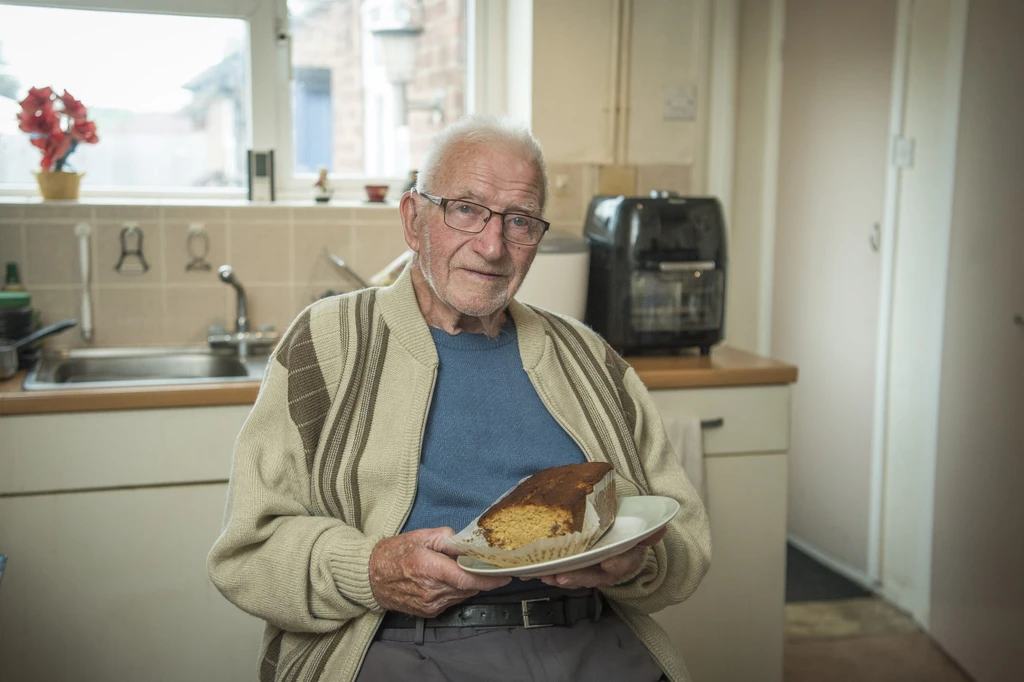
x=686 y=266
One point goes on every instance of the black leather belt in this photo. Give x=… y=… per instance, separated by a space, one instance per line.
x=527 y=613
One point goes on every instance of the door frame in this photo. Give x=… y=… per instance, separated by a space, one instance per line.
x=895 y=253
x=916 y=301
x=887 y=249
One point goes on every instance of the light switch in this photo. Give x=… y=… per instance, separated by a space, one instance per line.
x=680 y=103
x=903 y=152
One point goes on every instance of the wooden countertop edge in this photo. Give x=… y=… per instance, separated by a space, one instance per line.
x=749 y=370
x=143 y=397
x=709 y=378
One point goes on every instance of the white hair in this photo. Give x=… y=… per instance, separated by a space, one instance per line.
x=487 y=130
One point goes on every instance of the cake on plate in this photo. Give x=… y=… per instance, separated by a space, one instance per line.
x=549 y=504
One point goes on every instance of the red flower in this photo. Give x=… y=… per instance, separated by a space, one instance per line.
x=84 y=131
x=56 y=145
x=72 y=107
x=38 y=98
x=46 y=128
x=42 y=121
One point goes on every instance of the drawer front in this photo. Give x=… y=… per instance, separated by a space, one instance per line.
x=753 y=418
x=83 y=450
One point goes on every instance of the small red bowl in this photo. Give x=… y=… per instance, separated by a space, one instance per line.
x=376 y=193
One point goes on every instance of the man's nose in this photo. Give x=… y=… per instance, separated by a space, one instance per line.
x=489 y=242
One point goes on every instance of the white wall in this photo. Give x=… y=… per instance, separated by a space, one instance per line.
x=836 y=91
x=581 y=59
x=752 y=224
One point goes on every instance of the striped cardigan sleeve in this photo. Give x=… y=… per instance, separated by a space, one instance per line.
x=674 y=567
x=276 y=559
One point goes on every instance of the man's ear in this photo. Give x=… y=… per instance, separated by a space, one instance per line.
x=407 y=208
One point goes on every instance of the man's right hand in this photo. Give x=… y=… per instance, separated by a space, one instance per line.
x=412 y=573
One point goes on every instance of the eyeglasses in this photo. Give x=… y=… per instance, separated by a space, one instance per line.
x=465 y=216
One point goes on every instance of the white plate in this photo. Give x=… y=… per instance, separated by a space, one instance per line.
x=636 y=518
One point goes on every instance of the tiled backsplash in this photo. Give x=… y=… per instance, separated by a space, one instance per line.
x=276 y=250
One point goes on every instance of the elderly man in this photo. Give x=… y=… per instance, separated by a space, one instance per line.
x=388 y=417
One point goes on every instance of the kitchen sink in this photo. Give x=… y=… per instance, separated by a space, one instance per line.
x=123 y=367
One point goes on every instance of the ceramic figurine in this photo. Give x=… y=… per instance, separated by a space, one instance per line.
x=323 y=187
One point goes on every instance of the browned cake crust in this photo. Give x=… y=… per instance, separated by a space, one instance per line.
x=563 y=488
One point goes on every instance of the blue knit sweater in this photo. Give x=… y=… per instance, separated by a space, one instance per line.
x=487 y=429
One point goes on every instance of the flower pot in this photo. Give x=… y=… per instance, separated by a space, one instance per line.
x=59 y=184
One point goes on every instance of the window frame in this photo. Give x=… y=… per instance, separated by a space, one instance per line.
x=269 y=105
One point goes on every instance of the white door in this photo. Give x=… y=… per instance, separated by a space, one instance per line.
x=977 y=595
x=837 y=69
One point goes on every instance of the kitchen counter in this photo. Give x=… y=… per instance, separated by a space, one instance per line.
x=724 y=367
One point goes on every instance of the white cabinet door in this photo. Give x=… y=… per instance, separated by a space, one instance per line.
x=111 y=586
x=731 y=629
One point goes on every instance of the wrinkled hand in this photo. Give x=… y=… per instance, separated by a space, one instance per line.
x=413 y=573
x=608 y=572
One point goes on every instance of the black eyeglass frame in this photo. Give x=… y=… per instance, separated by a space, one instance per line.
x=443 y=203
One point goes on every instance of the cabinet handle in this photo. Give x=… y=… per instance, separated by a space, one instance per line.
x=1018 y=319
x=716 y=423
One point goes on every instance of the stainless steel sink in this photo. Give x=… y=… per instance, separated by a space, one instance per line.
x=121 y=367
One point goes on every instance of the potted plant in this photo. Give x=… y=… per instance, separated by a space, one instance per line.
x=57 y=132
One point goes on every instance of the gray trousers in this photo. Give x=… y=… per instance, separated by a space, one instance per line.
x=605 y=650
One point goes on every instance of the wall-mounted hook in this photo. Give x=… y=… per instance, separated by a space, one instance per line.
x=131 y=262
x=198 y=247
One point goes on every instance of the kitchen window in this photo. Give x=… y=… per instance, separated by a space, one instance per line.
x=164 y=122
x=171 y=86
x=394 y=71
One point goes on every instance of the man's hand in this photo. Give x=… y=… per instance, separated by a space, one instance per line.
x=608 y=572
x=411 y=573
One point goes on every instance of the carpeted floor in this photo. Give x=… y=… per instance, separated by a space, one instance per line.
x=886 y=658
x=838 y=632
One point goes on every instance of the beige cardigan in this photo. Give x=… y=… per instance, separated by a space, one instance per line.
x=326 y=465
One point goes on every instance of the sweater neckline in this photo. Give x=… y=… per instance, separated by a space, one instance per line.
x=465 y=341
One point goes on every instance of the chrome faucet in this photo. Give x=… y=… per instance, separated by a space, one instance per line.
x=227 y=275
x=243 y=339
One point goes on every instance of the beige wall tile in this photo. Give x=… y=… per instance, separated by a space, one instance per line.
x=11 y=212
x=107 y=250
x=568 y=204
x=12 y=248
x=126 y=316
x=667 y=177
x=321 y=213
x=51 y=254
x=176 y=255
x=210 y=214
x=274 y=305
x=58 y=211
x=313 y=291
x=260 y=253
x=192 y=310
x=311 y=263
x=374 y=246
x=377 y=213
x=616 y=180
x=261 y=213
x=139 y=212
x=55 y=305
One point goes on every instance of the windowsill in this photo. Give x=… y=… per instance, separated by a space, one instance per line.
x=28 y=200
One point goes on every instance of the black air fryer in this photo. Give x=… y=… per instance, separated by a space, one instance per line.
x=657 y=272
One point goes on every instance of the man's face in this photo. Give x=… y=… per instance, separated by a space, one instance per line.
x=476 y=274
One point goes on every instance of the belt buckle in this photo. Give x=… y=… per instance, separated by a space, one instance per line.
x=526 y=613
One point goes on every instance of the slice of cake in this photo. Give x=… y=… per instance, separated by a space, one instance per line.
x=549 y=504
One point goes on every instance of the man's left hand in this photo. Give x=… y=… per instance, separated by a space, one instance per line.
x=610 y=571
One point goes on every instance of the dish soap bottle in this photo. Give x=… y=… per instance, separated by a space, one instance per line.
x=12 y=281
